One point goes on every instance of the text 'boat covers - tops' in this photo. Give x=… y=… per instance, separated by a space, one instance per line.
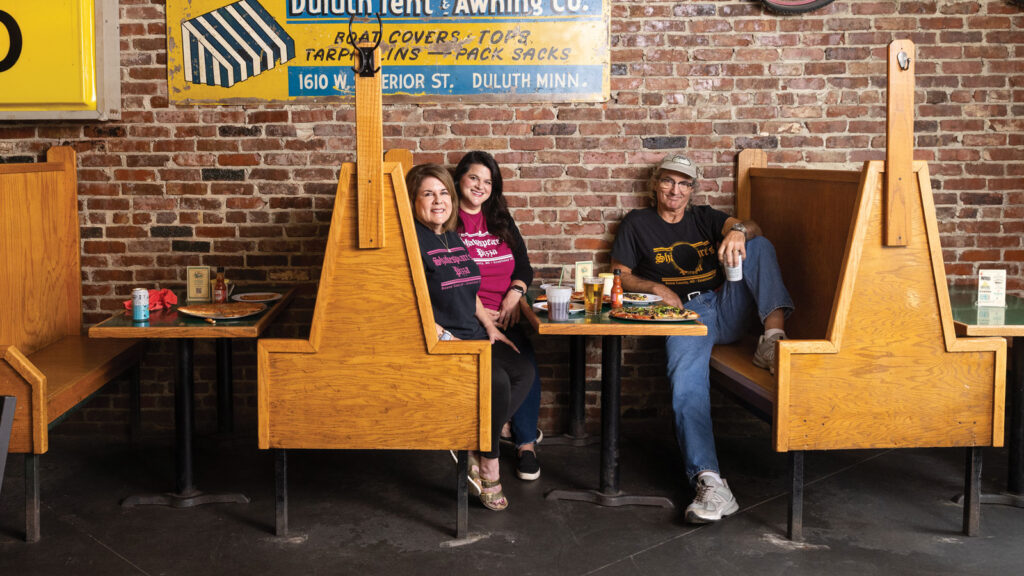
x=232 y=43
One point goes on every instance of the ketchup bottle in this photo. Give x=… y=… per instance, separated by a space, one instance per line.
x=617 y=291
x=220 y=288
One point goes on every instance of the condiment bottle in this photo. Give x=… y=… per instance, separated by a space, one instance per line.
x=220 y=288
x=617 y=290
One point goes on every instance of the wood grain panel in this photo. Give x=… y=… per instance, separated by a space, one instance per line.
x=373 y=374
x=899 y=148
x=806 y=214
x=19 y=378
x=892 y=382
x=40 y=288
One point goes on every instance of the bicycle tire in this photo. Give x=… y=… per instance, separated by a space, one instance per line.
x=795 y=6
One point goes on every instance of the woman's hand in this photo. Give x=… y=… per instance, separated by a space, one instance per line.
x=508 y=313
x=495 y=335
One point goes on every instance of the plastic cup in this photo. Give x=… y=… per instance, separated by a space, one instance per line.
x=558 y=302
x=593 y=295
x=734 y=273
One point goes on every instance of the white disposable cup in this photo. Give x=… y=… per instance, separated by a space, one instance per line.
x=558 y=302
x=734 y=273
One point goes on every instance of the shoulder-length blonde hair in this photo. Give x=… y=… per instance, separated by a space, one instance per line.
x=419 y=173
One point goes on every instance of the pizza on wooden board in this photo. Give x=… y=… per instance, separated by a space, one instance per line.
x=656 y=313
x=223 y=311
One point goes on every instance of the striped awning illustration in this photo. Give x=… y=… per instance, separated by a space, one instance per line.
x=232 y=43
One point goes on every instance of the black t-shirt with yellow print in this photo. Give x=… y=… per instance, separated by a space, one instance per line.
x=683 y=256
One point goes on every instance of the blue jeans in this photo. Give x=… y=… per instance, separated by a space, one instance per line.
x=524 y=421
x=727 y=313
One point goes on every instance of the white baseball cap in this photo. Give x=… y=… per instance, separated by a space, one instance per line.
x=679 y=163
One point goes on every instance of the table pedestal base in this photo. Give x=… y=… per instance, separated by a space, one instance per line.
x=1003 y=499
x=610 y=500
x=194 y=498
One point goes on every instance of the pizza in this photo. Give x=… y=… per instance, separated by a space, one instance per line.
x=222 y=311
x=656 y=313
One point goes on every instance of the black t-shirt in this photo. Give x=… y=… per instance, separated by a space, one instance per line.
x=453 y=280
x=682 y=256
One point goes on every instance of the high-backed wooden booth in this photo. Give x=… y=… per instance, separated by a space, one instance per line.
x=45 y=360
x=872 y=359
x=373 y=374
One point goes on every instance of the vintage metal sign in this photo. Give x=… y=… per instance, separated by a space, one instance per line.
x=223 y=51
x=46 y=55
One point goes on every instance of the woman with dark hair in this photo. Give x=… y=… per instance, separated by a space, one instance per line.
x=495 y=244
x=453 y=281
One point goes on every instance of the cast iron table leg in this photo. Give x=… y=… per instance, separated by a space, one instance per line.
x=186 y=494
x=577 y=435
x=609 y=494
x=225 y=388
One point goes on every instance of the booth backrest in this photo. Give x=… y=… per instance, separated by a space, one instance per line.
x=40 y=282
x=807 y=215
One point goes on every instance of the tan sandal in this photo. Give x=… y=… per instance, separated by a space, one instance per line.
x=473 y=475
x=493 y=500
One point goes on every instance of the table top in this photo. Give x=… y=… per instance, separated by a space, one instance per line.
x=593 y=325
x=972 y=320
x=170 y=324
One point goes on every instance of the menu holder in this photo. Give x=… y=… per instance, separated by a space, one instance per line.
x=992 y=288
x=199 y=288
x=584 y=269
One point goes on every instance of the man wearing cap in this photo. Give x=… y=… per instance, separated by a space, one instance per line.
x=675 y=250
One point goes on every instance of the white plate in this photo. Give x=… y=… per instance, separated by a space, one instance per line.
x=640 y=298
x=573 y=307
x=256 y=297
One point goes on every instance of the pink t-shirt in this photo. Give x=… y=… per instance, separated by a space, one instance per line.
x=492 y=256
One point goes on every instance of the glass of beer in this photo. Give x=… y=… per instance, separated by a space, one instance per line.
x=593 y=295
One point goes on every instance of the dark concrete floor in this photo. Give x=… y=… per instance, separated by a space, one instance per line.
x=866 y=512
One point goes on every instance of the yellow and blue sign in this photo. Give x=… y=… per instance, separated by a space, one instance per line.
x=281 y=50
x=47 y=55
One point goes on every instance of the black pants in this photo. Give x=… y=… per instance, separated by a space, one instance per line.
x=511 y=378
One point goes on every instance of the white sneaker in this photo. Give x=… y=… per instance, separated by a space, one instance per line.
x=764 y=357
x=714 y=501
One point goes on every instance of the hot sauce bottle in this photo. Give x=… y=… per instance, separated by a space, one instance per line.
x=220 y=288
x=617 y=291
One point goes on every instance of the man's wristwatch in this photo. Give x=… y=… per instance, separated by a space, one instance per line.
x=445 y=335
x=518 y=288
x=739 y=227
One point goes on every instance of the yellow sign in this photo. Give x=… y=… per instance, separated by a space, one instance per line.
x=47 y=55
x=279 y=50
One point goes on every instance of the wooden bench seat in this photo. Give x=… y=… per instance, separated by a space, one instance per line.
x=45 y=360
x=871 y=358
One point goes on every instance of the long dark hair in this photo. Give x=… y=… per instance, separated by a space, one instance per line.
x=495 y=209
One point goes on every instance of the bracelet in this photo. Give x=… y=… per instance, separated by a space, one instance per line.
x=518 y=288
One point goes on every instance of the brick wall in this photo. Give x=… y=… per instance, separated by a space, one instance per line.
x=251 y=187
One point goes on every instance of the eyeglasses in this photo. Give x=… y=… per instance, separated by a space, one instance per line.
x=670 y=183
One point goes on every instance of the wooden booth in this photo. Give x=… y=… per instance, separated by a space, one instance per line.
x=45 y=360
x=872 y=359
x=373 y=374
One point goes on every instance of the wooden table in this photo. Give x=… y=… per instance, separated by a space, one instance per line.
x=1008 y=322
x=169 y=324
x=611 y=331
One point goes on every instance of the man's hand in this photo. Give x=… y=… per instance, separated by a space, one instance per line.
x=733 y=250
